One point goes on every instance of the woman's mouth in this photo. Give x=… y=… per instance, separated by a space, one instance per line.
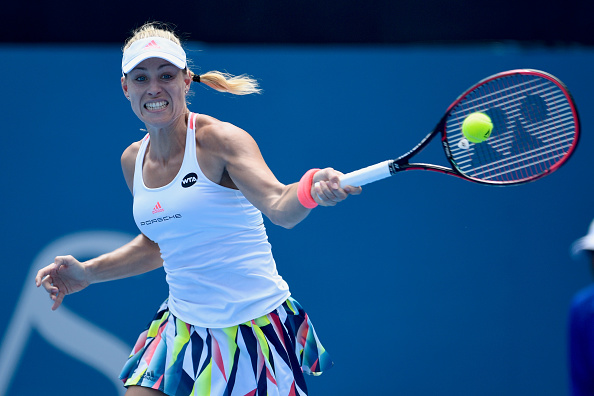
x=155 y=106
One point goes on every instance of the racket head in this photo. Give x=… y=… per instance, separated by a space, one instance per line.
x=536 y=128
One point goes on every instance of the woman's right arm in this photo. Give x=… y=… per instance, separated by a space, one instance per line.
x=66 y=275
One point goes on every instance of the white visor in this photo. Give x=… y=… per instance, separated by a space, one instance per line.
x=153 y=47
x=584 y=243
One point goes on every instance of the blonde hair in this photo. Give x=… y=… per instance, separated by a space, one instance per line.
x=222 y=82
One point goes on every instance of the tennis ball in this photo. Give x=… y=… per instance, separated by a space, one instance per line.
x=477 y=127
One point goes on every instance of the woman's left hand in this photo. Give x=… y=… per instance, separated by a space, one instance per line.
x=326 y=189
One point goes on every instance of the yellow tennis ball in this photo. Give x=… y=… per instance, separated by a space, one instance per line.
x=477 y=127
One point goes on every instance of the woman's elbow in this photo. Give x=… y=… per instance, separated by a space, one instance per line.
x=283 y=222
x=284 y=218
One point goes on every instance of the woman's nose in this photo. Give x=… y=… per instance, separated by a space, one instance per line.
x=154 y=88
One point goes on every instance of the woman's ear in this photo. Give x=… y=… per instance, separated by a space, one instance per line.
x=188 y=80
x=125 y=87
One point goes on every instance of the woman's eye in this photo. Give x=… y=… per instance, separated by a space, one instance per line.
x=140 y=78
x=166 y=76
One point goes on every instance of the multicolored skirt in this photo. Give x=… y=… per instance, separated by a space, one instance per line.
x=263 y=357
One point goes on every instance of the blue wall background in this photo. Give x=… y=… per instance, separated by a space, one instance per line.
x=423 y=285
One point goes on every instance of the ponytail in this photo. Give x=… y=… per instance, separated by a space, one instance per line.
x=224 y=82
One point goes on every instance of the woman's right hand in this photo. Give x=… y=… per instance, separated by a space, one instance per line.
x=64 y=276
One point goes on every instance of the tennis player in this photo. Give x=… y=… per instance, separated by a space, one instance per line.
x=581 y=325
x=229 y=325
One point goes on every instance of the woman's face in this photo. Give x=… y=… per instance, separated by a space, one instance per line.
x=157 y=91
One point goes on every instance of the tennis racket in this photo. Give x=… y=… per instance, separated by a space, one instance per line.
x=536 y=129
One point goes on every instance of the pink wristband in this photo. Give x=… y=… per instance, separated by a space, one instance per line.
x=304 y=189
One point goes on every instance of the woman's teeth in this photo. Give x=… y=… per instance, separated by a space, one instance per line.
x=156 y=105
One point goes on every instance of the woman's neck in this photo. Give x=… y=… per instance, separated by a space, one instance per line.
x=168 y=142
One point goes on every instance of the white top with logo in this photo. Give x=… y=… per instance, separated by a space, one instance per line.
x=216 y=253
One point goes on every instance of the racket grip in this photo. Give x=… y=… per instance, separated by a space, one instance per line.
x=366 y=175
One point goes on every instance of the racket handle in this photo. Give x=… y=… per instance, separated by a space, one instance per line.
x=366 y=175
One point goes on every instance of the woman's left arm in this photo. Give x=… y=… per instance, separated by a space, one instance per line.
x=248 y=170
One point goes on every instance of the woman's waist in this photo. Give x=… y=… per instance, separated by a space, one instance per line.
x=226 y=300
x=225 y=251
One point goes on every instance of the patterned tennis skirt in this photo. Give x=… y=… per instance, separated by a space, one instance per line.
x=263 y=357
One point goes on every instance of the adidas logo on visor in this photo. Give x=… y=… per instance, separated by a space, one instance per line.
x=152 y=44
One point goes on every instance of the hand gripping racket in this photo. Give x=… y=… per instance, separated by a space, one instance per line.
x=535 y=130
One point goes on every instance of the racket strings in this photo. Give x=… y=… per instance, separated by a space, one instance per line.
x=534 y=129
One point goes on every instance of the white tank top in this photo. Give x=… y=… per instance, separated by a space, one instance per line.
x=216 y=254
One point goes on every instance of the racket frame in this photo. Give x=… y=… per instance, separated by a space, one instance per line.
x=391 y=167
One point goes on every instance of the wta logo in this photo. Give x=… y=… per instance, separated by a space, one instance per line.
x=189 y=180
